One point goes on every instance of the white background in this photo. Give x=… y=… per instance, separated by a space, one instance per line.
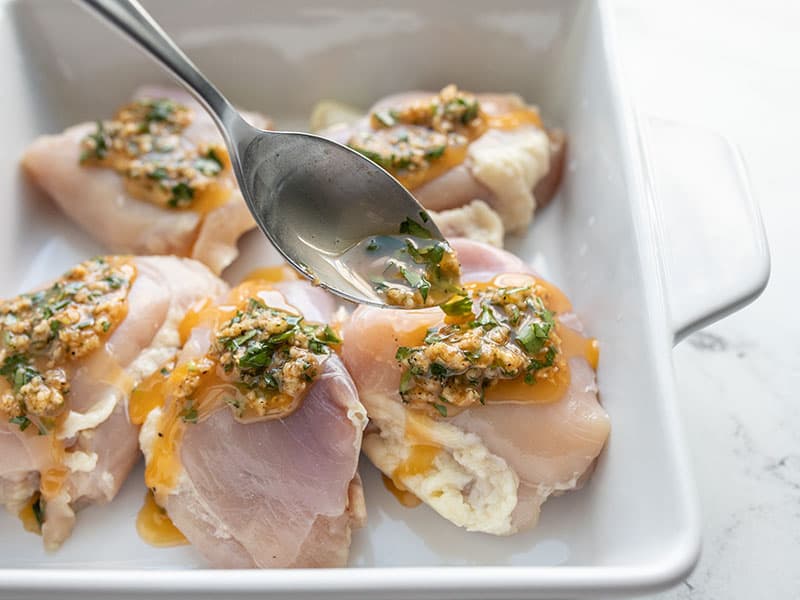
x=734 y=66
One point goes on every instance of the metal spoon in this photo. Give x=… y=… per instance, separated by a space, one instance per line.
x=314 y=198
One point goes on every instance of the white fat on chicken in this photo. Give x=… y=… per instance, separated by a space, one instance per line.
x=475 y=221
x=472 y=487
x=496 y=464
x=99 y=439
x=510 y=163
x=277 y=493
x=97 y=199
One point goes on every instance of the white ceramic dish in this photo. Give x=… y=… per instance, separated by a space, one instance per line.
x=654 y=233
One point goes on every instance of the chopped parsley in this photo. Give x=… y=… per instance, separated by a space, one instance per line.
x=189 y=413
x=402 y=353
x=513 y=336
x=159 y=110
x=21 y=421
x=18 y=371
x=182 y=195
x=38 y=507
x=24 y=422
x=457 y=306
x=272 y=354
x=158 y=173
x=328 y=336
x=114 y=281
x=412 y=270
x=411 y=227
x=386 y=118
x=416 y=281
x=145 y=143
x=435 y=151
x=210 y=164
x=98 y=144
x=402 y=149
x=440 y=408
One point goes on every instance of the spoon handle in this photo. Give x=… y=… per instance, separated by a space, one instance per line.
x=136 y=23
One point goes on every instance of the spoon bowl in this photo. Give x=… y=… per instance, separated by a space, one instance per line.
x=313 y=198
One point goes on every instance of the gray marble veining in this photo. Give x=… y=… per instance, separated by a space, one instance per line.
x=735 y=67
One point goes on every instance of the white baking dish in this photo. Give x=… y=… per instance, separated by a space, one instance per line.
x=654 y=234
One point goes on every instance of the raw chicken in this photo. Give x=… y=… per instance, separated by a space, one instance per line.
x=267 y=493
x=87 y=456
x=489 y=467
x=514 y=169
x=98 y=200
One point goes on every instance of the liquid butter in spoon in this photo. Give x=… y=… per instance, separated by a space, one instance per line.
x=336 y=216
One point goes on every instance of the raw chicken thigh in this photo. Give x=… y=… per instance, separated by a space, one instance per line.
x=486 y=412
x=69 y=357
x=453 y=148
x=154 y=180
x=252 y=440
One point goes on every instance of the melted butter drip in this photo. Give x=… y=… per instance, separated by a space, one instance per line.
x=550 y=389
x=204 y=312
x=274 y=274
x=403 y=496
x=164 y=466
x=52 y=481
x=149 y=394
x=53 y=477
x=422 y=453
x=450 y=158
x=192 y=318
x=28 y=516
x=155 y=527
x=417 y=427
x=99 y=366
x=575 y=344
x=244 y=291
x=514 y=119
x=212 y=197
x=412 y=337
x=418 y=462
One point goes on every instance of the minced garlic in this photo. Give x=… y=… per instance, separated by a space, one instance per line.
x=451 y=110
x=144 y=142
x=412 y=137
x=41 y=333
x=511 y=335
x=271 y=355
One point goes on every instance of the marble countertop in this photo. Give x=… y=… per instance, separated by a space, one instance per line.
x=734 y=66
